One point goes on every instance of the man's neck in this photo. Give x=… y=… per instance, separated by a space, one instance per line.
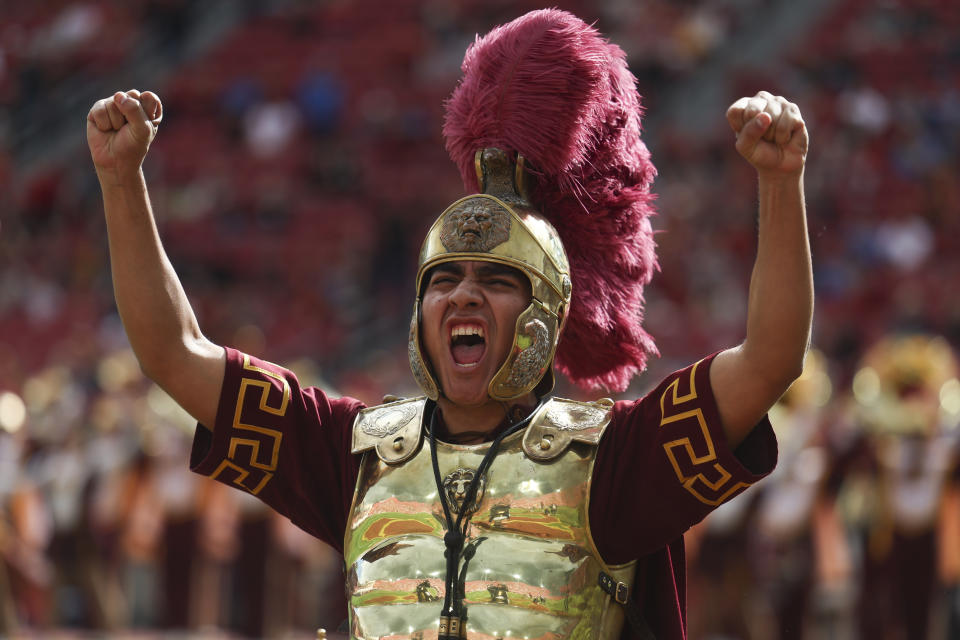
x=474 y=423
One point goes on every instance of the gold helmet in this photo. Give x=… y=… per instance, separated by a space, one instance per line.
x=500 y=225
x=549 y=91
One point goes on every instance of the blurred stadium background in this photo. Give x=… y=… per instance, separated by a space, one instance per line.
x=297 y=167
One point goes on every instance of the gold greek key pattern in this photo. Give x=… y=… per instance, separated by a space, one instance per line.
x=241 y=476
x=694 y=456
x=252 y=457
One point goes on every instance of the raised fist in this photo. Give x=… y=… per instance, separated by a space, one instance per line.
x=771 y=133
x=120 y=129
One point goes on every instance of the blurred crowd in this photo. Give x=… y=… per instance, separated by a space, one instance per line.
x=296 y=169
x=856 y=534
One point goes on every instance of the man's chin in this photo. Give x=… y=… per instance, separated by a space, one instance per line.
x=471 y=396
x=465 y=401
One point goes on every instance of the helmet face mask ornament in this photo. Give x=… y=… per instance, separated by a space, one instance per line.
x=501 y=226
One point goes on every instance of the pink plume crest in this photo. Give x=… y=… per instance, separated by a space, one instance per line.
x=551 y=88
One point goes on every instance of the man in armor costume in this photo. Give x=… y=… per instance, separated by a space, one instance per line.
x=486 y=508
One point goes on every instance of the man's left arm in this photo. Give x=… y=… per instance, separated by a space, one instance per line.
x=748 y=379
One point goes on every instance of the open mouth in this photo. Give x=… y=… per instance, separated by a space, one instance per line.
x=467 y=344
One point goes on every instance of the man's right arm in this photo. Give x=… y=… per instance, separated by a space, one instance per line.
x=155 y=311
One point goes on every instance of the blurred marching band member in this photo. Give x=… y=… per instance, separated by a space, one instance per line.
x=901 y=484
x=800 y=536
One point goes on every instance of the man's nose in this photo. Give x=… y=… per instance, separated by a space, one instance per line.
x=466 y=294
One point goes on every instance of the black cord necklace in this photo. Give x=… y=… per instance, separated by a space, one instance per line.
x=453 y=616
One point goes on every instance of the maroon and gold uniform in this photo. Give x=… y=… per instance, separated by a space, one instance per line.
x=661 y=466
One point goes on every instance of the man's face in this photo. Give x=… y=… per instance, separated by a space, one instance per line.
x=468 y=317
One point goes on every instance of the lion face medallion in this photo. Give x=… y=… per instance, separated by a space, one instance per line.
x=475 y=226
x=455 y=487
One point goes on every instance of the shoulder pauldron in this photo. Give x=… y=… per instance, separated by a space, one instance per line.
x=395 y=429
x=560 y=422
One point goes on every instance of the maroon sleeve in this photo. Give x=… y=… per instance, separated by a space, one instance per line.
x=287 y=445
x=663 y=464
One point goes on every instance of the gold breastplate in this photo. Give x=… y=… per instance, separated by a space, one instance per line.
x=529 y=567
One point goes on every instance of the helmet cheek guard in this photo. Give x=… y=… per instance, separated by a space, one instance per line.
x=535 y=341
x=419 y=366
x=499 y=225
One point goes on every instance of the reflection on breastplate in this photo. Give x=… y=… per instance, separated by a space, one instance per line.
x=528 y=569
